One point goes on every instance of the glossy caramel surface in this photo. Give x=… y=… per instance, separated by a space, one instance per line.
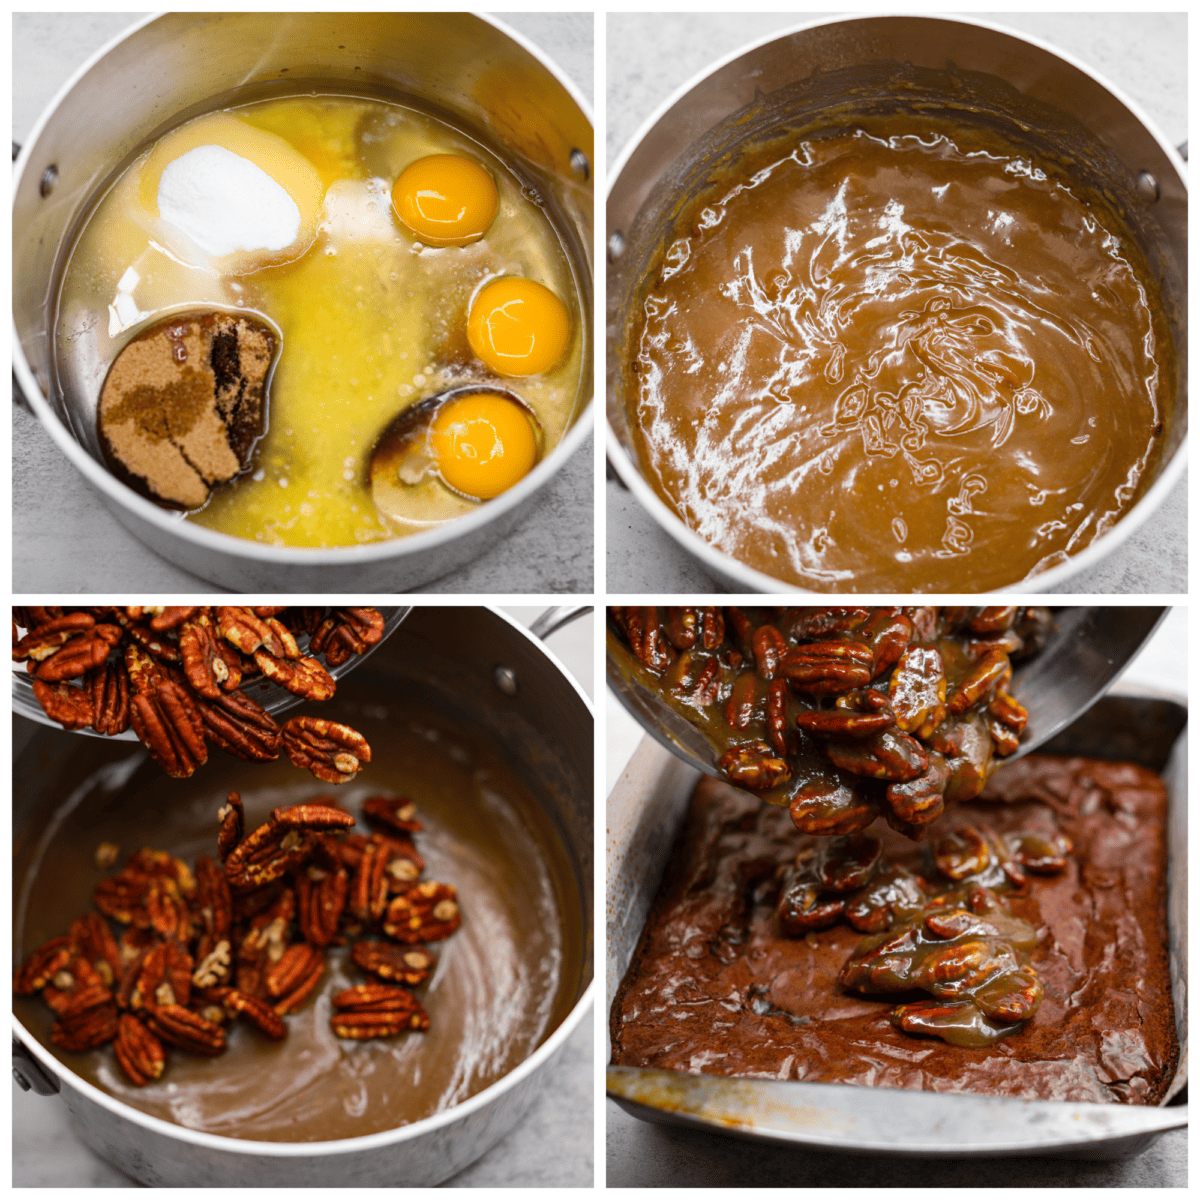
x=898 y=361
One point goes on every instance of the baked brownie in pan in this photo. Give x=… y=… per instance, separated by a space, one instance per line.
x=715 y=987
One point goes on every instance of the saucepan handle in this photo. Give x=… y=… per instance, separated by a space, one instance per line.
x=556 y=617
x=30 y=1073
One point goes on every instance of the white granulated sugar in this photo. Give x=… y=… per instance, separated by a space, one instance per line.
x=224 y=202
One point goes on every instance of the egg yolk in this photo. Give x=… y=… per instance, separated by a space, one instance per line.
x=518 y=327
x=445 y=199
x=483 y=444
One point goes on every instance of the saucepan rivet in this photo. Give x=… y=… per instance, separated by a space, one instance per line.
x=21 y=1079
x=506 y=680
x=1148 y=185
x=580 y=165
x=616 y=246
x=49 y=179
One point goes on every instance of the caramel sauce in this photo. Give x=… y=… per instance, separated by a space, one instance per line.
x=898 y=361
x=503 y=982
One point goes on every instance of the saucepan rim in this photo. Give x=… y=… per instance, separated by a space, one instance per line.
x=244 y=549
x=723 y=565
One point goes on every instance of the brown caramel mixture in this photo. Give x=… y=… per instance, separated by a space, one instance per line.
x=719 y=986
x=909 y=361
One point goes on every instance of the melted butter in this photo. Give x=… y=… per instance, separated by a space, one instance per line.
x=892 y=363
x=370 y=322
x=503 y=981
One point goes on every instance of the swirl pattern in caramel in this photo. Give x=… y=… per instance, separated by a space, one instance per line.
x=899 y=362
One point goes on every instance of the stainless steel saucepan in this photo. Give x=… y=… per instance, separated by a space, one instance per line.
x=481 y=76
x=803 y=73
x=471 y=669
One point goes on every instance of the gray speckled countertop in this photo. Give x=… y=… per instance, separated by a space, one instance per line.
x=639 y=1154
x=65 y=541
x=552 y=1146
x=1145 y=54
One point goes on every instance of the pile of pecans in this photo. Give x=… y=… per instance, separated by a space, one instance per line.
x=845 y=714
x=175 y=674
x=248 y=938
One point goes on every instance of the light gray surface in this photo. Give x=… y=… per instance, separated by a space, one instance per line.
x=1144 y=54
x=642 y=1155
x=65 y=541
x=553 y=1146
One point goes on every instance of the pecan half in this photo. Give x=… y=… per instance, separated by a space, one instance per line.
x=332 y=752
x=398 y=813
x=844 y=723
x=376 y=1010
x=645 y=636
x=888 y=755
x=423 y=912
x=346 y=632
x=188 y=1030
x=754 y=766
x=409 y=965
x=233 y=825
x=803 y=906
x=140 y=1054
x=94 y=940
x=828 y=668
x=984 y=676
x=108 y=686
x=213 y=904
x=847 y=863
x=80 y=654
x=70 y=706
x=42 y=965
x=266 y=855
x=369 y=891
x=87 y=1021
x=248 y=632
x=294 y=977
x=258 y=1012
x=45 y=640
x=918 y=690
x=826 y=807
x=241 y=727
x=169 y=726
x=172 y=617
x=203 y=663
x=301 y=676
x=320 y=902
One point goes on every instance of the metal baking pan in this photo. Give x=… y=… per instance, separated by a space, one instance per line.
x=645 y=811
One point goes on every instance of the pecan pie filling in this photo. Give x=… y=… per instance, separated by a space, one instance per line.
x=897 y=360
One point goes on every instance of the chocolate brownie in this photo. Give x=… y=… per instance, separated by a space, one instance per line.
x=717 y=987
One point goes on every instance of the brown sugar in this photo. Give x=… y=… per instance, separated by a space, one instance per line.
x=184 y=404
